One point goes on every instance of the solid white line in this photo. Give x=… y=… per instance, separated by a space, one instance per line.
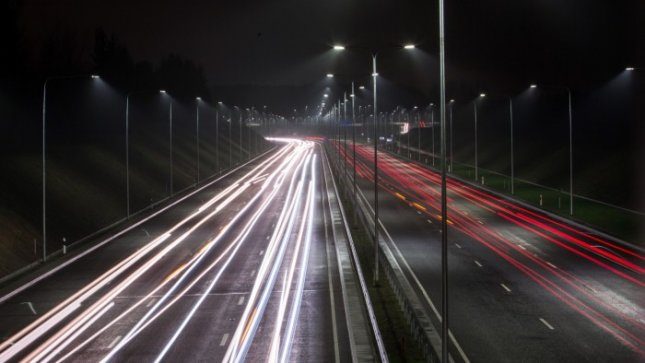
x=550 y=264
x=224 y=339
x=331 y=285
x=116 y=340
x=416 y=280
x=241 y=301
x=478 y=264
x=506 y=288
x=547 y=324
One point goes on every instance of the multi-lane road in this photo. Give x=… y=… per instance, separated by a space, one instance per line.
x=251 y=267
x=523 y=286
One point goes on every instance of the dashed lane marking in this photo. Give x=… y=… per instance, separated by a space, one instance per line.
x=478 y=264
x=224 y=340
x=241 y=301
x=506 y=288
x=547 y=324
x=116 y=340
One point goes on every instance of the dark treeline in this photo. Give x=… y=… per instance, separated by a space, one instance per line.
x=24 y=67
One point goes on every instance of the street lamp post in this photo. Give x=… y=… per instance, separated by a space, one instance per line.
x=432 y=126
x=170 y=142
x=354 y=145
x=451 y=167
x=197 y=101
x=376 y=254
x=482 y=95
x=217 y=140
x=44 y=152
x=444 y=192
x=510 y=113
x=570 y=113
x=375 y=136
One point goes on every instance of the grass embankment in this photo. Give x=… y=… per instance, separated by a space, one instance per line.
x=614 y=221
x=86 y=190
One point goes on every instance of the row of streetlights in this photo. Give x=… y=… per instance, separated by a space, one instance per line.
x=198 y=101
x=443 y=137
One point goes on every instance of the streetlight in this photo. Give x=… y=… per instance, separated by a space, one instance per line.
x=339 y=47
x=127 y=148
x=481 y=95
x=568 y=90
x=629 y=69
x=330 y=75
x=375 y=115
x=170 y=140
x=44 y=151
x=431 y=106
x=197 y=102
x=409 y=46
x=452 y=168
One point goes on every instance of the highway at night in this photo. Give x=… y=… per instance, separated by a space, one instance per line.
x=250 y=267
x=524 y=286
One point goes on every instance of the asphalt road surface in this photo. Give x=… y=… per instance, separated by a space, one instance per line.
x=524 y=287
x=243 y=270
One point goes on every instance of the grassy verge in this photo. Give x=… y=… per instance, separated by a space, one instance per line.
x=614 y=221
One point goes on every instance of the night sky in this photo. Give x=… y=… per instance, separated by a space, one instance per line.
x=509 y=43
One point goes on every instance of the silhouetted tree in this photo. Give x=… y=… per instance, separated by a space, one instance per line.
x=113 y=61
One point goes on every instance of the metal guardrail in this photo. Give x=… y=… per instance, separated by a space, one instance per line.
x=359 y=272
x=421 y=326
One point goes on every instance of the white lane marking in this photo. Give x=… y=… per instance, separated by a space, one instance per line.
x=417 y=282
x=261 y=252
x=419 y=213
x=506 y=288
x=480 y=222
x=31 y=307
x=429 y=221
x=268 y=237
x=241 y=301
x=547 y=324
x=550 y=264
x=152 y=301
x=478 y=264
x=224 y=340
x=116 y=340
x=522 y=247
x=253 y=273
x=458 y=245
